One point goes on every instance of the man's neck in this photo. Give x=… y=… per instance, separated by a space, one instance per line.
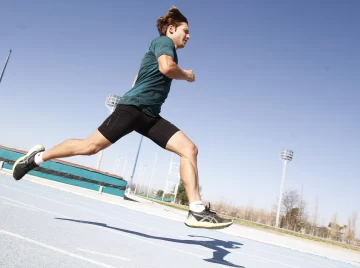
x=173 y=42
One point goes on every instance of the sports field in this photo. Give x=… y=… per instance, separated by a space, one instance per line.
x=43 y=226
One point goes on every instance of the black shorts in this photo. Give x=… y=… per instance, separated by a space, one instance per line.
x=127 y=118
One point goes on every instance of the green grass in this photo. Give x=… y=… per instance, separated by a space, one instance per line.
x=172 y=205
x=295 y=234
x=268 y=228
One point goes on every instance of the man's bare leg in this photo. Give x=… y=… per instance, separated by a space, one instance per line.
x=180 y=144
x=93 y=144
x=37 y=155
x=198 y=216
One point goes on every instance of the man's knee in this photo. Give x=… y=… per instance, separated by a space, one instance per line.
x=182 y=145
x=91 y=148
x=190 y=150
x=94 y=144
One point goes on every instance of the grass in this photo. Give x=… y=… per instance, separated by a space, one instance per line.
x=177 y=206
x=267 y=228
x=295 y=234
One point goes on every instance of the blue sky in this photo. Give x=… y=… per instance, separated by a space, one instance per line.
x=269 y=76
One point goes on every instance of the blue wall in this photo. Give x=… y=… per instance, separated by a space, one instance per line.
x=13 y=155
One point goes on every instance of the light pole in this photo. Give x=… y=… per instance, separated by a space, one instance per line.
x=287 y=156
x=111 y=103
x=134 y=167
x=7 y=60
x=152 y=175
x=117 y=164
x=171 y=173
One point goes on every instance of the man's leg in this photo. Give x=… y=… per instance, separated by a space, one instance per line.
x=37 y=155
x=180 y=144
x=121 y=122
x=169 y=137
x=92 y=145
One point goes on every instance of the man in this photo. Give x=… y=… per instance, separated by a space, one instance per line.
x=138 y=110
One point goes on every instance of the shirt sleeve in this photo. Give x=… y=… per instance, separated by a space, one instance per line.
x=163 y=46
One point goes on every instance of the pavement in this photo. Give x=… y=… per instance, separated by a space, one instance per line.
x=50 y=224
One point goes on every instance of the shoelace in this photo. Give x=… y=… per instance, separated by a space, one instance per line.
x=208 y=209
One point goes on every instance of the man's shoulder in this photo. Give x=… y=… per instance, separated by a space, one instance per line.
x=162 y=40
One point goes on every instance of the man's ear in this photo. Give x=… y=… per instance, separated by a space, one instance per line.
x=171 y=29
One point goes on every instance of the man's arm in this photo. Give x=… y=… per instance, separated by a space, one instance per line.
x=133 y=84
x=169 y=68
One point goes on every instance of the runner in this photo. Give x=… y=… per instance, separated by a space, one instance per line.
x=139 y=110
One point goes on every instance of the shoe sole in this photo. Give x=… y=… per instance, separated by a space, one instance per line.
x=39 y=148
x=207 y=225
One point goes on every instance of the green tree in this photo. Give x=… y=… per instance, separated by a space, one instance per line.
x=160 y=193
x=182 y=197
x=323 y=232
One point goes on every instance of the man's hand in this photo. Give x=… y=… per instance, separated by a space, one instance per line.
x=190 y=75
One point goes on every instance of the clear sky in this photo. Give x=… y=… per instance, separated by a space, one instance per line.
x=269 y=76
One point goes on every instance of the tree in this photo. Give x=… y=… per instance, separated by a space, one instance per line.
x=315 y=217
x=290 y=202
x=354 y=221
x=323 y=232
x=182 y=197
x=334 y=228
x=351 y=229
x=160 y=193
x=303 y=216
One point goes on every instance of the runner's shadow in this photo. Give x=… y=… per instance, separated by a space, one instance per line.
x=219 y=246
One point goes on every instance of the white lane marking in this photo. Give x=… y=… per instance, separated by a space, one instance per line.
x=145 y=227
x=194 y=246
x=133 y=236
x=146 y=241
x=104 y=215
x=117 y=232
x=157 y=244
x=157 y=230
x=55 y=249
x=10 y=204
x=103 y=254
x=72 y=206
x=297 y=259
x=37 y=208
x=21 y=203
x=87 y=210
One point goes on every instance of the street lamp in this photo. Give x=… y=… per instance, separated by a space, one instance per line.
x=117 y=164
x=111 y=103
x=152 y=175
x=6 y=62
x=287 y=156
x=134 y=167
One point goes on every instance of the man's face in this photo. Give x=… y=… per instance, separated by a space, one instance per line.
x=180 y=35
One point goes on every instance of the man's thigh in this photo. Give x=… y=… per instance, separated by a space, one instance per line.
x=121 y=122
x=180 y=144
x=159 y=131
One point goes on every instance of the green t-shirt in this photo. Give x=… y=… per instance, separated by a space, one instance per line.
x=152 y=87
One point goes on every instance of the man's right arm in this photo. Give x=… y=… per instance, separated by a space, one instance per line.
x=169 y=68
